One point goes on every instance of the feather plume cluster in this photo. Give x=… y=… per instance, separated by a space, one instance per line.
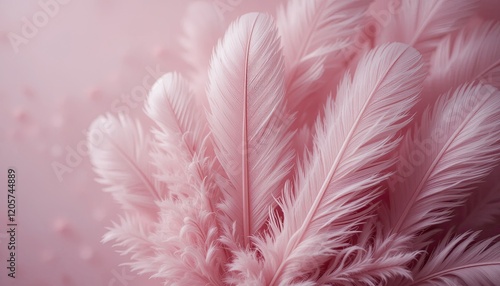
x=295 y=154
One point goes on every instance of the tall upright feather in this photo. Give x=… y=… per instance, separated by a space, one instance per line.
x=422 y=23
x=337 y=183
x=248 y=121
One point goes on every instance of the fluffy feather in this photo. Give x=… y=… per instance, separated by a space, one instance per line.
x=335 y=186
x=455 y=146
x=422 y=23
x=314 y=34
x=188 y=251
x=248 y=121
x=472 y=56
x=460 y=261
x=121 y=160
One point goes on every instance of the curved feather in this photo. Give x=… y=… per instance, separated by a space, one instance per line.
x=455 y=147
x=337 y=183
x=248 y=121
x=422 y=23
x=314 y=34
x=472 y=56
x=121 y=160
x=460 y=261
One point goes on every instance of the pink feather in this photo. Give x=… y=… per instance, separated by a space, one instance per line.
x=248 y=122
x=335 y=186
x=213 y=193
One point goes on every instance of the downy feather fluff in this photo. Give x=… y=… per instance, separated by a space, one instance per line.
x=249 y=123
x=336 y=185
x=188 y=250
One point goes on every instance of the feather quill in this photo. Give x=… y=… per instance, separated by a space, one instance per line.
x=422 y=23
x=337 y=183
x=454 y=148
x=121 y=160
x=248 y=121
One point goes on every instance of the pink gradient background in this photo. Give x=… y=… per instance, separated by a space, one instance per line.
x=86 y=56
